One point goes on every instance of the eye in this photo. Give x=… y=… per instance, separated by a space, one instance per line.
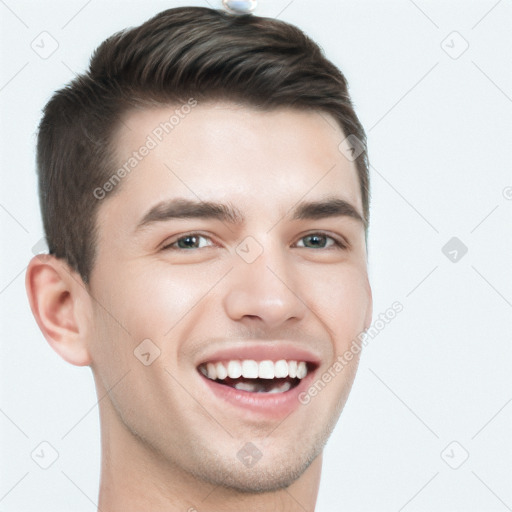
x=319 y=241
x=190 y=241
x=199 y=241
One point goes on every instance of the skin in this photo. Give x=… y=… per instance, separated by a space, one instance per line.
x=165 y=446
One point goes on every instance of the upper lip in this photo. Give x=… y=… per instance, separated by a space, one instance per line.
x=261 y=351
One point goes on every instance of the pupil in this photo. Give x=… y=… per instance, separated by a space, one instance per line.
x=316 y=240
x=187 y=242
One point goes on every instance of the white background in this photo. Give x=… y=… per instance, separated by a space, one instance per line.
x=440 y=139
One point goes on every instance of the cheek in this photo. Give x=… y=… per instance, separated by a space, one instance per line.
x=155 y=299
x=341 y=298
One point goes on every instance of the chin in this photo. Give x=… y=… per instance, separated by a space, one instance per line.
x=269 y=474
x=265 y=479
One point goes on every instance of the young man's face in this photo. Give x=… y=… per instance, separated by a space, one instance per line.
x=264 y=284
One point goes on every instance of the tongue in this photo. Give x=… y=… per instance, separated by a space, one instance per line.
x=260 y=385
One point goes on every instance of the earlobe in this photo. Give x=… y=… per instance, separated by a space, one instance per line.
x=55 y=299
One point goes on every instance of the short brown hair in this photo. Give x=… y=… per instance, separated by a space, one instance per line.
x=180 y=53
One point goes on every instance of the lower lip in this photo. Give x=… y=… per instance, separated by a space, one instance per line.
x=270 y=405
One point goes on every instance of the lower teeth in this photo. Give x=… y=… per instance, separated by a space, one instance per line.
x=255 y=387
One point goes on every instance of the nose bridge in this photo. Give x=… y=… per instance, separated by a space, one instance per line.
x=269 y=272
x=263 y=287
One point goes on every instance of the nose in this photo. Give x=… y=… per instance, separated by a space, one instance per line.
x=265 y=292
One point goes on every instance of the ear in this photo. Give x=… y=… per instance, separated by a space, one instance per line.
x=61 y=305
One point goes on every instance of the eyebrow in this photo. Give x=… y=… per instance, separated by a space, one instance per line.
x=330 y=207
x=191 y=209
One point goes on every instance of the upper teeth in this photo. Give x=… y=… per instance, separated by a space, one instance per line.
x=251 y=369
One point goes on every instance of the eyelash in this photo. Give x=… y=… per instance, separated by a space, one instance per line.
x=338 y=243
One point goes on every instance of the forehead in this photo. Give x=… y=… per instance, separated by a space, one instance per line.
x=225 y=152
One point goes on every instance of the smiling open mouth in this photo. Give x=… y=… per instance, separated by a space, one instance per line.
x=257 y=376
